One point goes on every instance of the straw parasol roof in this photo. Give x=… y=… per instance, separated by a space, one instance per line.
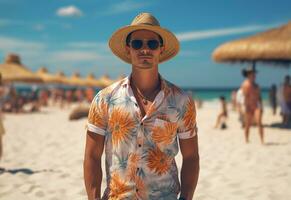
x=272 y=46
x=60 y=76
x=91 y=81
x=13 y=71
x=46 y=77
x=105 y=81
x=76 y=80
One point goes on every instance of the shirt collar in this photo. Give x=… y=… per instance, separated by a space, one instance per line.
x=164 y=85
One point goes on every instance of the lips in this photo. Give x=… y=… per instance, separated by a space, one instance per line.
x=145 y=57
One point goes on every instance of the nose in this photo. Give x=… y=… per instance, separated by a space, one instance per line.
x=145 y=46
x=145 y=50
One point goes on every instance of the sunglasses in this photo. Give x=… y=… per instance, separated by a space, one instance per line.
x=138 y=44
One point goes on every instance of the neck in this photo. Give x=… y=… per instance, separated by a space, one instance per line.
x=147 y=81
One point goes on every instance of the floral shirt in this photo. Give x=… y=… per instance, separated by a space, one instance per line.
x=140 y=151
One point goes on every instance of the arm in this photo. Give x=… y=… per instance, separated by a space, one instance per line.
x=190 y=166
x=92 y=164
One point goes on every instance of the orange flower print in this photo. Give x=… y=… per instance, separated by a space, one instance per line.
x=151 y=110
x=120 y=125
x=176 y=90
x=190 y=116
x=98 y=115
x=158 y=161
x=132 y=166
x=164 y=135
x=118 y=187
x=141 y=192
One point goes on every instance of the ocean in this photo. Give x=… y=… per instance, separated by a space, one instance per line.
x=208 y=94
x=204 y=94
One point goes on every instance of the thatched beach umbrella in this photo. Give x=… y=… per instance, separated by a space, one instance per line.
x=47 y=77
x=13 y=71
x=91 y=81
x=272 y=46
x=60 y=76
x=76 y=80
x=105 y=81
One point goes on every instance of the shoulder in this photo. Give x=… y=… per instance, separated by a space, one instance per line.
x=246 y=84
x=174 y=89
x=178 y=93
x=109 y=91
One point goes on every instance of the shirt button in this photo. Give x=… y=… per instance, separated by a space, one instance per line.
x=139 y=145
x=135 y=104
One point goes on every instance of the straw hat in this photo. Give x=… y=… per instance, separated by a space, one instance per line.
x=144 y=21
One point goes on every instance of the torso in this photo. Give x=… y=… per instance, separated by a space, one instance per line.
x=251 y=93
x=141 y=140
x=287 y=93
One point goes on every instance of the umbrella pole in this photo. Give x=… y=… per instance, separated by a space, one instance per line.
x=254 y=65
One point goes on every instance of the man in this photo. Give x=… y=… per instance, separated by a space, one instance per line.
x=253 y=109
x=222 y=116
x=273 y=98
x=139 y=121
x=2 y=130
x=286 y=107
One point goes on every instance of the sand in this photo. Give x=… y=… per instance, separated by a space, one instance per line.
x=43 y=158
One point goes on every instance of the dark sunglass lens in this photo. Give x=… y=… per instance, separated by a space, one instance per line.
x=153 y=44
x=136 y=44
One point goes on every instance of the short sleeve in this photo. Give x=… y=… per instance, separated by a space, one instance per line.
x=98 y=115
x=187 y=127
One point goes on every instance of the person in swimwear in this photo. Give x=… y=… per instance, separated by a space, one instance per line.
x=222 y=116
x=287 y=101
x=253 y=109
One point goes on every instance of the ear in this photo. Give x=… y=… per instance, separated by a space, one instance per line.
x=162 y=49
x=127 y=49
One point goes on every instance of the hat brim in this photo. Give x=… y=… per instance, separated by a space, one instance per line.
x=117 y=42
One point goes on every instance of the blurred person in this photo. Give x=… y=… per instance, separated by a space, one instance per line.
x=233 y=99
x=240 y=106
x=43 y=97
x=69 y=93
x=80 y=96
x=139 y=121
x=2 y=130
x=90 y=93
x=273 y=98
x=253 y=108
x=222 y=116
x=286 y=103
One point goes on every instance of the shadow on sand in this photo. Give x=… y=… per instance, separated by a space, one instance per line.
x=278 y=125
x=24 y=171
x=275 y=143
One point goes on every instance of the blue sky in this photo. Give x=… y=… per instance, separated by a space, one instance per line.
x=72 y=35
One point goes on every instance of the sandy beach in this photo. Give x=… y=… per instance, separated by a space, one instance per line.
x=43 y=158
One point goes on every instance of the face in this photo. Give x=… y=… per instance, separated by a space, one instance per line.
x=144 y=57
x=252 y=76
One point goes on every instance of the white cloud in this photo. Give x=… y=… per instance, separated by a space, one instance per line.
x=9 y=22
x=188 y=53
x=96 y=46
x=69 y=11
x=74 y=55
x=125 y=6
x=8 y=43
x=39 y=27
x=4 y=22
x=198 y=35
